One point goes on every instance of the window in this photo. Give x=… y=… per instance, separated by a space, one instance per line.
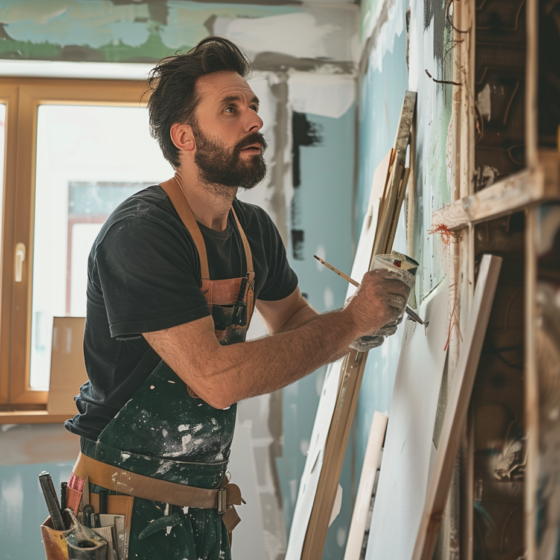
x=81 y=148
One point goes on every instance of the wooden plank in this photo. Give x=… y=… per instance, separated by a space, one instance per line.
x=531 y=80
x=514 y=193
x=400 y=199
x=387 y=213
x=531 y=386
x=68 y=369
x=457 y=407
x=502 y=198
x=365 y=487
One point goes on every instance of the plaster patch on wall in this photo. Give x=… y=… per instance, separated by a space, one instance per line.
x=316 y=33
x=308 y=38
x=389 y=26
x=321 y=94
x=370 y=12
x=190 y=22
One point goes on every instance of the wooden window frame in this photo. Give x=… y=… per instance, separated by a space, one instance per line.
x=22 y=97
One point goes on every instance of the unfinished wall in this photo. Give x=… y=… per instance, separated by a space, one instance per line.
x=384 y=78
x=305 y=56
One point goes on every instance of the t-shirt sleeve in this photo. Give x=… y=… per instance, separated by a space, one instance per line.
x=281 y=280
x=148 y=278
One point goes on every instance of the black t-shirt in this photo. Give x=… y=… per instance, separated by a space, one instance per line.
x=143 y=276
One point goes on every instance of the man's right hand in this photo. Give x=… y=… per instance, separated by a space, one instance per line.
x=379 y=300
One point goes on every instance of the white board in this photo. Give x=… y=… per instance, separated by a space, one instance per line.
x=405 y=468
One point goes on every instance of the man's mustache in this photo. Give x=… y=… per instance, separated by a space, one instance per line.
x=253 y=138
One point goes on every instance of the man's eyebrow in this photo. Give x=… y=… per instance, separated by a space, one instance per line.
x=232 y=98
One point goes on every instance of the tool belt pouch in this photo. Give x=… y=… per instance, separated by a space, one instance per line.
x=55 y=541
x=118 y=505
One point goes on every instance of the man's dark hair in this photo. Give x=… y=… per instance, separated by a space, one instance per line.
x=172 y=84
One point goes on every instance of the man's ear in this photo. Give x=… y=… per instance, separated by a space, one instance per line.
x=182 y=136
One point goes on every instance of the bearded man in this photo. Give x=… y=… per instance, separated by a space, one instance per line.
x=173 y=279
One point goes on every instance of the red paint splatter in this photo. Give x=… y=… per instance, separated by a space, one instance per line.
x=443 y=230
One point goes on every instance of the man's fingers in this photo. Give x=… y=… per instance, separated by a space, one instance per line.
x=396 y=301
x=398 y=289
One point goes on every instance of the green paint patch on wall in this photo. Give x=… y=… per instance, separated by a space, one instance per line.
x=102 y=31
x=368 y=11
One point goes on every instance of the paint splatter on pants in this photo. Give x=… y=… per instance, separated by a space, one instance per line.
x=186 y=534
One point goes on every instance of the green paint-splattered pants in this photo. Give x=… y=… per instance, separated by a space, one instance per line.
x=184 y=534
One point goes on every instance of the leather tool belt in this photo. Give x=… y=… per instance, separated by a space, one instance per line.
x=222 y=499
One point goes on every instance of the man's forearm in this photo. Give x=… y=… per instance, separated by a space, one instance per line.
x=305 y=316
x=270 y=363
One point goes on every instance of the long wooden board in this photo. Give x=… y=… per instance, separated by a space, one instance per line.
x=457 y=407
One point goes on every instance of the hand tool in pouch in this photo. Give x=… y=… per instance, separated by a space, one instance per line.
x=87 y=508
x=85 y=544
x=63 y=495
x=53 y=506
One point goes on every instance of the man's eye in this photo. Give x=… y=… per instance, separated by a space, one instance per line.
x=255 y=108
x=229 y=109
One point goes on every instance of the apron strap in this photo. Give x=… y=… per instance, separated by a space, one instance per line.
x=247 y=247
x=179 y=201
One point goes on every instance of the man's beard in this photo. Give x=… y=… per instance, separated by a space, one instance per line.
x=223 y=166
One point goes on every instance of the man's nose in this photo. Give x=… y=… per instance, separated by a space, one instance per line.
x=254 y=122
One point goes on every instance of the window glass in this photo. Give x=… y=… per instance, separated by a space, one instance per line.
x=89 y=159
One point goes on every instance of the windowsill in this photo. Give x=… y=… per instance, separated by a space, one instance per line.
x=32 y=417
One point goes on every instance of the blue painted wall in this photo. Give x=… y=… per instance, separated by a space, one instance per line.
x=23 y=509
x=325 y=210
